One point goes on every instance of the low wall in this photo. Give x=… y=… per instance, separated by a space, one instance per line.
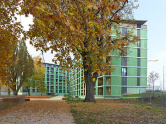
x=10 y=101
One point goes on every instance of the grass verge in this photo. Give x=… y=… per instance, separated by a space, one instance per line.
x=115 y=111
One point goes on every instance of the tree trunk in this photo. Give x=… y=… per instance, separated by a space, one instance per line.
x=89 y=86
x=28 y=91
x=8 y=90
x=15 y=92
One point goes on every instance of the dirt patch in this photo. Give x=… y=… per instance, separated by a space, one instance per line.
x=50 y=112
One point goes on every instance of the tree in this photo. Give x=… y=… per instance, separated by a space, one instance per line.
x=10 y=32
x=152 y=78
x=40 y=70
x=21 y=69
x=7 y=89
x=41 y=87
x=83 y=28
x=37 y=78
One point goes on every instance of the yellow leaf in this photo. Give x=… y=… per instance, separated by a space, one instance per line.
x=89 y=6
x=72 y=28
x=93 y=79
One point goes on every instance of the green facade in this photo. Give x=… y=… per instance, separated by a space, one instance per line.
x=130 y=74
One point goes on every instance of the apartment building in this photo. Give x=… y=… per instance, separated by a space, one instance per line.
x=55 y=81
x=130 y=74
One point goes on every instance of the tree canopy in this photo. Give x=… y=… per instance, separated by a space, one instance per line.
x=10 y=32
x=21 y=69
x=153 y=76
x=37 y=78
x=81 y=27
x=40 y=70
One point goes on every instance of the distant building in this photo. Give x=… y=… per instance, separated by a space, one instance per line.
x=54 y=79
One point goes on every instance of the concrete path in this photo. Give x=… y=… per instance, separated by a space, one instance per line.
x=59 y=98
x=54 y=111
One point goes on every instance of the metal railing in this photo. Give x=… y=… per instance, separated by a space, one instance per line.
x=157 y=99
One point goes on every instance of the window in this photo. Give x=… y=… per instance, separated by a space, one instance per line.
x=138 y=44
x=138 y=52
x=124 y=31
x=138 y=32
x=24 y=89
x=124 y=61
x=124 y=71
x=138 y=61
x=33 y=90
x=108 y=60
x=108 y=81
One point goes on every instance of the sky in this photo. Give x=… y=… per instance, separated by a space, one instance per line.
x=154 y=12
x=151 y=10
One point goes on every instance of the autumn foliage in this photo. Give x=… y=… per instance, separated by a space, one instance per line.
x=82 y=28
x=10 y=32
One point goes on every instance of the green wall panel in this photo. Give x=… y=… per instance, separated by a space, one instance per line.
x=131 y=71
x=115 y=80
x=131 y=61
x=117 y=71
x=133 y=90
x=143 y=52
x=143 y=81
x=131 y=81
x=143 y=33
x=143 y=62
x=143 y=72
x=116 y=91
x=143 y=43
x=115 y=60
x=132 y=52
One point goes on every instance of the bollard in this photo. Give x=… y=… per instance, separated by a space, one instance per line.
x=150 y=97
x=142 y=99
x=162 y=101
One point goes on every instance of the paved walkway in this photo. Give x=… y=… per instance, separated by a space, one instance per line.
x=53 y=98
x=45 y=111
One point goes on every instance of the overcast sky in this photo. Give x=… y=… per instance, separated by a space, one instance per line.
x=154 y=12
x=151 y=10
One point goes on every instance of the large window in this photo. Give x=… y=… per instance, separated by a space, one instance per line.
x=124 y=71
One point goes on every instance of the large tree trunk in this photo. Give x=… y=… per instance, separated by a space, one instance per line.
x=90 y=84
x=15 y=92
